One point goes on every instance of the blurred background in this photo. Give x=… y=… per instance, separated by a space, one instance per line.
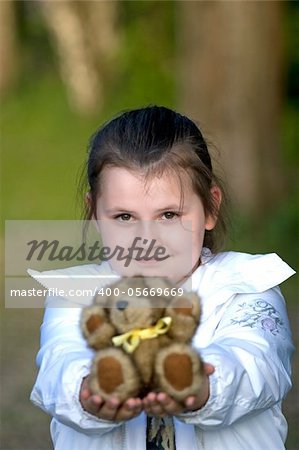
x=68 y=66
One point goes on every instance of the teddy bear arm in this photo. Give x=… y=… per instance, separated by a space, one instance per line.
x=184 y=312
x=103 y=337
x=182 y=329
x=96 y=327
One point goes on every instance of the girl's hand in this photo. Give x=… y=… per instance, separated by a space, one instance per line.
x=161 y=404
x=112 y=409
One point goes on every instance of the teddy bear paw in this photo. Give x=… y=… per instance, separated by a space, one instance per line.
x=179 y=371
x=113 y=374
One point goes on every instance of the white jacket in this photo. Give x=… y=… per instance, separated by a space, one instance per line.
x=244 y=333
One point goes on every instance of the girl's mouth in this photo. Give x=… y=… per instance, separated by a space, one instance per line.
x=147 y=261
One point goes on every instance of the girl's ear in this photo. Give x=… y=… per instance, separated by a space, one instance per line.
x=88 y=202
x=88 y=199
x=211 y=219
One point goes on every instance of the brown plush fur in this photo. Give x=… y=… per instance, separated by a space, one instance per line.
x=163 y=363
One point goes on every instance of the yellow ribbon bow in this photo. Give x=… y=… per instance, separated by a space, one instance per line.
x=131 y=339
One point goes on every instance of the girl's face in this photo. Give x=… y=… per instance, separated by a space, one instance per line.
x=147 y=220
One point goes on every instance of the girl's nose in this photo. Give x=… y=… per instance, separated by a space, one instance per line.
x=148 y=232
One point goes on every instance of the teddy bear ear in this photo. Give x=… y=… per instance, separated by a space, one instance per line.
x=188 y=304
x=156 y=283
x=100 y=299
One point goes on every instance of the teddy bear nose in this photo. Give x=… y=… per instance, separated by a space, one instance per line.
x=122 y=304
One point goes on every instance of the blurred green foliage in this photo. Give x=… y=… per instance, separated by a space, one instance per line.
x=44 y=143
x=44 y=146
x=291 y=27
x=148 y=65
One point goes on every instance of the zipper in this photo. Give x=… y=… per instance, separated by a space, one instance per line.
x=200 y=438
x=124 y=437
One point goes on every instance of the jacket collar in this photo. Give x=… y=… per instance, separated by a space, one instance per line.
x=215 y=280
x=221 y=276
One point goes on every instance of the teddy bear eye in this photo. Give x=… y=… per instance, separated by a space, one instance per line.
x=122 y=304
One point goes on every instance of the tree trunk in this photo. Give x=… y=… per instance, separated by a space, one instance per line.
x=231 y=60
x=8 y=46
x=103 y=31
x=77 y=66
x=88 y=40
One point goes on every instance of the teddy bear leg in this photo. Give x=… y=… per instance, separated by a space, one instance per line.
x=113 y=374
x=178 y=371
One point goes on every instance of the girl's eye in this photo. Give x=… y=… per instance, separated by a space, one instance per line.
x=124 y=217
x=170 y=215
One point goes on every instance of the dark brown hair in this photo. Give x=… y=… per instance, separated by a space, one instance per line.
x=156 y=140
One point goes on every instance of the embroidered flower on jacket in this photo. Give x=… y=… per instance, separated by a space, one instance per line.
x=269 y=324
x=259 y=314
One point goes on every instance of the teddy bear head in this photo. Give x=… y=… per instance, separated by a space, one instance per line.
x=130 y=304
x=134 y=304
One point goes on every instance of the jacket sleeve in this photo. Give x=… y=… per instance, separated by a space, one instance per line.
x=251 y=351
x=64 y=359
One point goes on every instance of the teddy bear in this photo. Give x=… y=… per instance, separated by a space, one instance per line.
x=142 y=341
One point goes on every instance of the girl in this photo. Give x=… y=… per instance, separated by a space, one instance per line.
x=150 y=176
